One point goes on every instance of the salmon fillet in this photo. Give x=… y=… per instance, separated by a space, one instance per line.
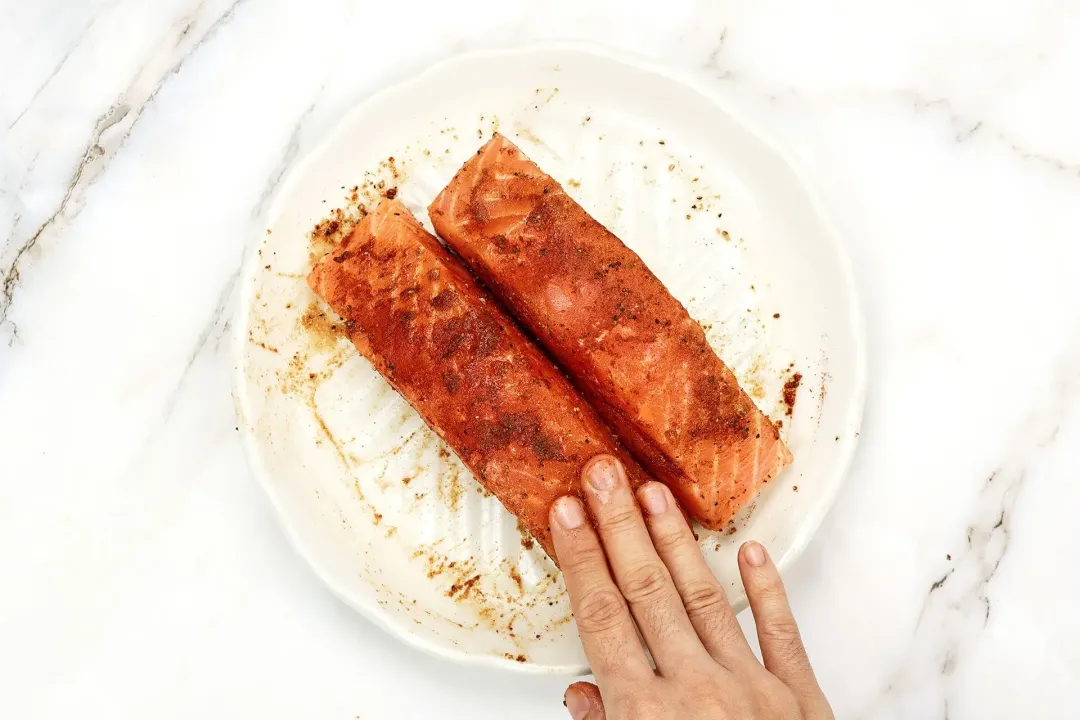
x=616 y=330
x=444 y=343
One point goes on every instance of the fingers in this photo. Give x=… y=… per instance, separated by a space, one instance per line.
x=638 y=571
x=583 y=701
x=781 y=646
x=704 y=599
x=603 y=620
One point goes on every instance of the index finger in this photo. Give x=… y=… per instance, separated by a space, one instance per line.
x=603 y=619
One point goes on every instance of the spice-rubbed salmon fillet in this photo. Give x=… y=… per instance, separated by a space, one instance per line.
x=614 y=327
x=444 y=343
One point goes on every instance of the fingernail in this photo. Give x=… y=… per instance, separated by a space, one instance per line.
x=603 y=474
x=569 y=513
x=577 y=704
x=755 y=554
x=653 y=498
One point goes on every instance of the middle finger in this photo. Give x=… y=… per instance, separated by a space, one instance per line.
x=638 y=571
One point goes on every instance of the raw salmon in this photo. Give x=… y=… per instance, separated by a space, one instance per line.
x=444 y=343
x=626 y=342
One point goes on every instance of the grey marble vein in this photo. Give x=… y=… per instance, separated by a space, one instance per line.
x=713 y=61
x=958 y=603
x=56 y=69
x=84 y=174
x=966 y=128
x=110 y=132
x=217 y=327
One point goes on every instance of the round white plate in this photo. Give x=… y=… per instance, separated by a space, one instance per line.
x=385 y=514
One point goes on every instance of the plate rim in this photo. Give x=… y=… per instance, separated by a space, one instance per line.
x=694 y=80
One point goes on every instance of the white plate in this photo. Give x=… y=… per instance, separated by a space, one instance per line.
x=390 y=520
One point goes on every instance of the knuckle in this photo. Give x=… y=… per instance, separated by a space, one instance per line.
x=708 y=609
x=703 y=599
x=645 y=583
x=600 y=611
x=620 y=517
x=781 y=635
x=584 y=557
x=668 y=541
x=781 y=629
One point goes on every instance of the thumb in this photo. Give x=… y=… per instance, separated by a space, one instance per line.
x=583 y=701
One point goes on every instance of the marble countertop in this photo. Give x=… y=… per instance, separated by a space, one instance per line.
x=143 y=571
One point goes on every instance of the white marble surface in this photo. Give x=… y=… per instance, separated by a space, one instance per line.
x=142 y=571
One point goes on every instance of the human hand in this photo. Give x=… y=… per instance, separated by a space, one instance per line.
x=649 y=571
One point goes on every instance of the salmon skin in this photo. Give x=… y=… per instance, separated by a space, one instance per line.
x=616 y=330
x=444 y=343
